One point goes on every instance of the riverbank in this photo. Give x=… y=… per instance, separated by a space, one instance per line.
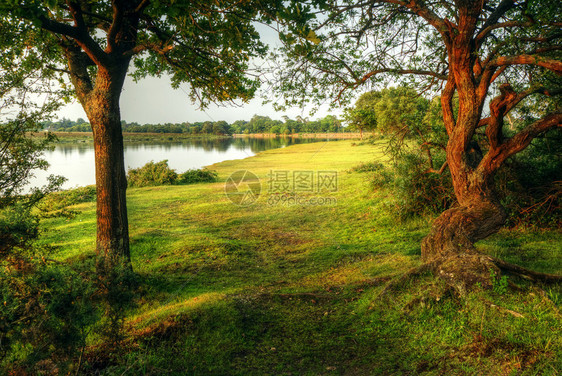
x=166 y=137
x=328 y=136
x=63 y=137
x=291 y=284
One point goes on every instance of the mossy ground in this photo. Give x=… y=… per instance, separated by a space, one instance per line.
x=294 y=289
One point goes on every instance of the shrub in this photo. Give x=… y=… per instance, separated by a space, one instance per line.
x=419 y=192
x=415 y=191
x=46 y=313
x=57 y=201
x=150 y=174
x=534 y=198
x=161 y=174
x=368 y=167
x=198 y=176
x=17 y=229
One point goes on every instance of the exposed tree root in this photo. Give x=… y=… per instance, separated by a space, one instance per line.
x=462 y=272
x=397 y=281
x=526 y=273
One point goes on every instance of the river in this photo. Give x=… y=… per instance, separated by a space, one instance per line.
x=75 y=160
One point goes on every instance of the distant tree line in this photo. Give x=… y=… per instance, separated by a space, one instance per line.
x=258 y=124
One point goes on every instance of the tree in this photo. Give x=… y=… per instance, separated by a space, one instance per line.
x=462 y=48
x=205 y=44
x=362 y=116
x=399 y=110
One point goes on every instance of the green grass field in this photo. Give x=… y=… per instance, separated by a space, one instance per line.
x=279 y=289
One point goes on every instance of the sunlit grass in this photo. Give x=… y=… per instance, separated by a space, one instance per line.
x=274 y=289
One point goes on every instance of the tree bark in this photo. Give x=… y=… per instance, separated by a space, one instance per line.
x=102 y=109
x=449 y=246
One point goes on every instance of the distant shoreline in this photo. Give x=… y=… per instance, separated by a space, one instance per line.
x=134 y=136
x=302 y=135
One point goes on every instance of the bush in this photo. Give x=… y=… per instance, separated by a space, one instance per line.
x=416 y=192
x=58 y=201
x=198 y=176
x=419 y=192
x=46 y=315
x=161 y=174
x=535 y=198
x=17 y=229
x=150 y=174
x=368 y=167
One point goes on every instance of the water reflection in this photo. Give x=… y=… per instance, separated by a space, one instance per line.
x=75 y=161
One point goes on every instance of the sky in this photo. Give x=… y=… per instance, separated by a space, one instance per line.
x=153 y=101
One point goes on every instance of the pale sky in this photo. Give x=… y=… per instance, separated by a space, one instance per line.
x=153 y=101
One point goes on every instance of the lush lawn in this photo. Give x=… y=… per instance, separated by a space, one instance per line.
x=294 y=289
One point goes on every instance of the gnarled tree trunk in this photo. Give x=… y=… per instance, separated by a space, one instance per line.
x=449 y=247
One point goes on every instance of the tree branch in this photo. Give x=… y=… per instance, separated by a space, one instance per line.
x=440 y=171
x=116 y=25
x=496 y=14
x=142 y=5
x=58 y=27
x=484 y=33
x=447 y=104
x=496 y=156
x=515 y=101
x=403 y=71
x=548 y=63
x=78 y=62
x=419 y=8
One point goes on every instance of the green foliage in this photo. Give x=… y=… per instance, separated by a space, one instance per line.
x=499 y=284
x=415 y=191
x=215 y=39
x=363 y=116
x=56 y=202
x=158 y=173
x=47 y=311
x=197 y=176
x=535 y=198
x=257 y=124
x=400 y=110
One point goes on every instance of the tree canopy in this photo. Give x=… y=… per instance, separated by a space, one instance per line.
x=205 y=44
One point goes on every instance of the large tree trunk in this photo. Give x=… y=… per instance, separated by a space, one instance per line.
x=102 y=108
x=449 y=247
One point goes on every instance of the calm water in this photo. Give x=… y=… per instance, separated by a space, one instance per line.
x=75 y=161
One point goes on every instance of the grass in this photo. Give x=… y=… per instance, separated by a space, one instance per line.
x=294 y=289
